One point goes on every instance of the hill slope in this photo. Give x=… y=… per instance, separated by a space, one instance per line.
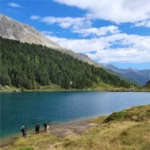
x=30 y=66
x=15 y=30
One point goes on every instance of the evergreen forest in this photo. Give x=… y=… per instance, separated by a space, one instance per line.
x=30 y=66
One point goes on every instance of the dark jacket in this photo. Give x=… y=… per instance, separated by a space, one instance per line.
x=45 y=125
x=37 y=127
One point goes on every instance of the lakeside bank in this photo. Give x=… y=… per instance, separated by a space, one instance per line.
x=122 y=130
x=60 y=129
x=59 y=89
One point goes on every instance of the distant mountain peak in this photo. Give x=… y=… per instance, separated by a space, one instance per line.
x=111 y=66
x=134 y=75
x=132 y=69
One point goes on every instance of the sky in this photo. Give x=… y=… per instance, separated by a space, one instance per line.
x=108 y=31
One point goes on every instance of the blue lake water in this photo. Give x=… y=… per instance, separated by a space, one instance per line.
x=19 y=109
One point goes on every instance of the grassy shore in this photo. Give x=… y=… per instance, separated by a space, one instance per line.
x=125 y=130
x=95 y=87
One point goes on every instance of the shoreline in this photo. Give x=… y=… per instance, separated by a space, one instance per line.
x=78 y=90
x=119 y=130
x=56 y=88
x=57 y=128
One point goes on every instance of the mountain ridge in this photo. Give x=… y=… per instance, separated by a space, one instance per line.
x=12 y=29
x=139 y=76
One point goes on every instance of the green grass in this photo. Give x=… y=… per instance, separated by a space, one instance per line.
x=115 y=117
x=52 y=87
x=140 y=113
x=100 y=86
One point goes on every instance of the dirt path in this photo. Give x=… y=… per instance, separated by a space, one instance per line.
x=73 y=127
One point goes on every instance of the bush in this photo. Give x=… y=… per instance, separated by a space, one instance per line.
x=26 y=148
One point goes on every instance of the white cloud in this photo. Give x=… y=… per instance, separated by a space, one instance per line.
x=81 y=26
x=119 y=11
x=126 y=55
x=35 y=17
x=47 y=32
x=145 y=23
x=79 y=45
x=109 y=44
x=14 y=5
x=50 y=33
x=97 y=31
x=131 y=48
x=67 y=22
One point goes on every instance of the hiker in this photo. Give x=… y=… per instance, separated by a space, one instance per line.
x=23 y=130
x=37 y=128
x=45 y=126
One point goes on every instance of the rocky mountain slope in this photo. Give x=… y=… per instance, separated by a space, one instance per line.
x=12 y=29
x=138 y=76
x=15 y=30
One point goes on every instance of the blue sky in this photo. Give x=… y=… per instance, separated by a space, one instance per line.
x=108 y=32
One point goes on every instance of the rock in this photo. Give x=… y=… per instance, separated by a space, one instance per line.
x=16 y=90
x=7 y=87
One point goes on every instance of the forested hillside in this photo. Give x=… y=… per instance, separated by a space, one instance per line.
x=29 y=66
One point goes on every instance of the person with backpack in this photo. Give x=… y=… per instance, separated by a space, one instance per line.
x=37 y=128
x=23 y=130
